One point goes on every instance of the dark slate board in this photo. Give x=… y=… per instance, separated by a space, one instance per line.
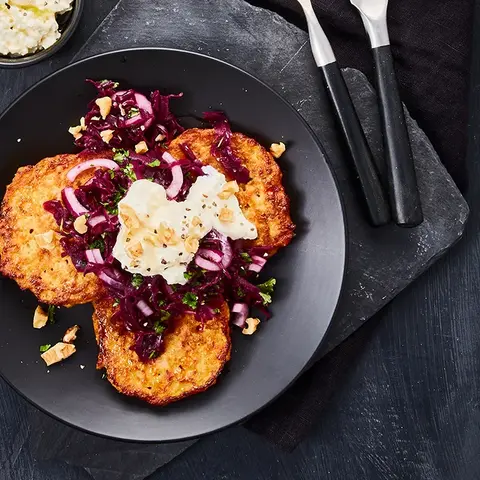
x=381 y=262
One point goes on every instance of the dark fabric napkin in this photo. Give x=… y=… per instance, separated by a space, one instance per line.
x=431 y=42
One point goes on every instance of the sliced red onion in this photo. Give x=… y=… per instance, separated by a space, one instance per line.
x=92 y=222
x=97 y=163
x=135 y=120
x=110 y=281
x=168 y=157
x=177 y=182
x=206 y=264
x=97 y=254
x=90 y=256
x=240 y=311
x=71 y=202
x=226 y=250
x=212 y=255
x=143 y=103
x=144 y=308
x=259 y=260
x=254 y=267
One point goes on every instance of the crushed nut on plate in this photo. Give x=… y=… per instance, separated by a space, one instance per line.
x=58 y=352
x=252 y=324
x=105 y=105
x=229 y=189
x=277 y=149
x=160 y=137
x=71 y=334
x=40 y=317
x=226 y=215
x=76 y=132
x=191 y=244
x=80 y=224
x=107 y=135
x=141 y=147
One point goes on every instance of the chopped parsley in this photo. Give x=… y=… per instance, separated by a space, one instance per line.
x=216 y=310
x=187 y=275
x=137 y=280
x=266 y=290
x=112 y=174
x=134 y=111
x=240 y=292
x=51 y=314
x=159 y=326
x=155 y=163
x=120 y=154
x=246 y=257
x=116 y=302
x=98 y=243
x=128 y=171
x=153 y=354
x=44 y=348
x=190 y=299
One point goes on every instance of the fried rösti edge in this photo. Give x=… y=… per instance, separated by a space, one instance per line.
x=50 y=277
x=190 y=363
x=263 y=199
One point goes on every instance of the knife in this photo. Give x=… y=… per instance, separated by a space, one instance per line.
x=375 y=198
x=402 y=180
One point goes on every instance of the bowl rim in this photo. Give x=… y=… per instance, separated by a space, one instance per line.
x=77 y=8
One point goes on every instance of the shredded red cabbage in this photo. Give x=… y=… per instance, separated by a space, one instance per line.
x=222 y=147
x=146 y=304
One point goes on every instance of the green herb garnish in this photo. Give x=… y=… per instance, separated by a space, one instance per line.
x=44 y=348
x=190 y=299
x=266 y=290
x=159 y=327
x=134 y=111
x=246 y=257
x=187 y=275
x=98 y=243
x=120 y=154
x=155 y=163
x=240 y=292
x=51 y=314
x=137 y=280
x=116 y=302
x=128 y=171
x=152 y=355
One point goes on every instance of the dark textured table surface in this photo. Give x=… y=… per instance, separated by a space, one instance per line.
x=408 y=408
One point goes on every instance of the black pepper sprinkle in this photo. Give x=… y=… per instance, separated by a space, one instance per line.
x=188 y=210
x=184 y=216
x=164 y=262
x=214 y=204
x=203 y=206
x=149 y=269
x=127 y=240
x=155 y=231
x=180 y=254
x=183 y=236
x=164 y=245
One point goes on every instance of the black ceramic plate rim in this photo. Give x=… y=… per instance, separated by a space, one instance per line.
x=344 y=238
x=31 y=59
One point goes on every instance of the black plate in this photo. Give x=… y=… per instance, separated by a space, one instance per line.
x=309 y=271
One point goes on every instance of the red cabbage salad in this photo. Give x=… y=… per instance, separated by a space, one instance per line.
x=130 y=134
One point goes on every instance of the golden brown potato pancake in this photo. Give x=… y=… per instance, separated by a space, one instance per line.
x=192 y=359
x=263 y=199
x=52 y=278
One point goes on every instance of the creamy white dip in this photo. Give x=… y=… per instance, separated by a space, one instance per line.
x=147 y=217
x=27 y=26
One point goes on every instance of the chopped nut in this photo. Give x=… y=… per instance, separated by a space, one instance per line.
x=58 y=352
x=229 y=189
x=167 y=235
x=134 y=250
x=105 y=105
x=196 y=221
x=129 y=217
x=82 y=123
x=95 y=118
x=277 y=149
x=45 y=240
x=80 y=224
x=252 y=324
x=75 y=131
x=226 y=215
x=160 y=137
x=141 y=147
x=40 y=317
x=71 y=334
x=153 y=240
x=107 y=135
x=191 y=244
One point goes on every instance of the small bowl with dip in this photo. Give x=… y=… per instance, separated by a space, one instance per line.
x=33 y=30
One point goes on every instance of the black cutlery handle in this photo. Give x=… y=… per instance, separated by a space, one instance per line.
x=375 y=198
x=402 y=180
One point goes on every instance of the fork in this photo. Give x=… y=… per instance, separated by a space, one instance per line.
x=402 y=180
x=375 y=198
